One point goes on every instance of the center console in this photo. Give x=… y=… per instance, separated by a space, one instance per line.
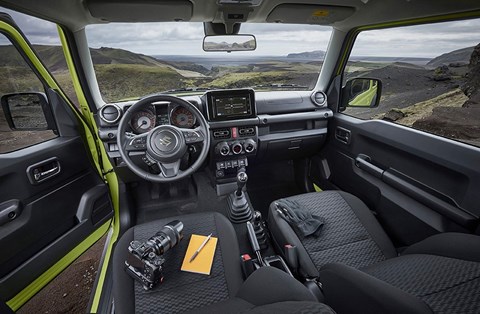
x=232 y=118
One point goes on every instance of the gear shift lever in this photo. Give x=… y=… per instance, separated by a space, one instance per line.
x=242 y=179
x=237 y=201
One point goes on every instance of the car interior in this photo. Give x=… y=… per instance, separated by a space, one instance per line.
x=308 y=209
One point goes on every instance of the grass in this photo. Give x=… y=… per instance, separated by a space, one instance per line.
x=120 y=81
x=423 y=109
x=232 y=80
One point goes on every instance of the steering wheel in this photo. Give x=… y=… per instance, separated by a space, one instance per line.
x=164 y=145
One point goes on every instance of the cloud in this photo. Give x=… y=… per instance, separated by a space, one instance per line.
x=273 y=39
x=418 y=41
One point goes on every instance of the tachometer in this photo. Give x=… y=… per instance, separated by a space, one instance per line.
x=142 y=121
x=182 y=117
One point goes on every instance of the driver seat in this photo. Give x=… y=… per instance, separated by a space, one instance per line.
x=266 y=290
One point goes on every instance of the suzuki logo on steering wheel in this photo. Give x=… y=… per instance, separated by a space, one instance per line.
x=165 y=141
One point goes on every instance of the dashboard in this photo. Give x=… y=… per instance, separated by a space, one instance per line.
x=246 y=127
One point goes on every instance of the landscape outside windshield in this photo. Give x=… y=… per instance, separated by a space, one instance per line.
x=134 y=60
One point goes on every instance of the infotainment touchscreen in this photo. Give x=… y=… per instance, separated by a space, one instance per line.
x=231 y=104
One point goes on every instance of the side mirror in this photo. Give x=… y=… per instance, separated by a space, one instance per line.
x=362 y=92
x=229 y=43
x=27 y=111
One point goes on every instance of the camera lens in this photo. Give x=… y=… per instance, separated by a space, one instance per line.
x=167 y=237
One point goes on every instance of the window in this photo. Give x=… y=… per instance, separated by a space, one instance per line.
x=430 y=76
x=43 y=35
x=134 y=60
x=17 y=77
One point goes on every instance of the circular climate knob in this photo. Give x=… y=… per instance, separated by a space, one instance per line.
x=237 y=148
x=250 y=145
x=222 y=148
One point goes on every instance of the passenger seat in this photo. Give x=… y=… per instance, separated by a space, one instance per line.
x=358 y=266
x=351 y=235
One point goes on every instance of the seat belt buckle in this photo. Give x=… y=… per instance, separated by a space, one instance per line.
x=291 y=256
x=248 y=265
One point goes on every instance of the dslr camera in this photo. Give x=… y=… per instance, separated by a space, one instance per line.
x=144 y=263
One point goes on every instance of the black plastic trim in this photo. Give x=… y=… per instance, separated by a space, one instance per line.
x=456 y=214
x=299 y=116
x=292 y=135
x=233 y=123
x=19 y=278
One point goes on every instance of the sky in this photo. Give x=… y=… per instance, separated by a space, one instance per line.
x=272 y=39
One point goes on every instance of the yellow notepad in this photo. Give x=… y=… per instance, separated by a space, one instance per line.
x=202 y=264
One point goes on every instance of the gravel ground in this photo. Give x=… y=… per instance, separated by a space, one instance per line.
x=70 y=291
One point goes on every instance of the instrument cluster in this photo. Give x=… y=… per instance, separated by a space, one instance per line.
x=147 y=119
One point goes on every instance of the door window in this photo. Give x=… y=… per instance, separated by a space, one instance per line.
x=17 y=88
x=430 y=77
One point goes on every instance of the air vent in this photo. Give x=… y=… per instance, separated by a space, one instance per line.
x=221 y=133
x=246 y=131
x=110 y=113
x=319 y=98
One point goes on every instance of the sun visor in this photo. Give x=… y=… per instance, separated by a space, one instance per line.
x=309 y=14
x=140 y=11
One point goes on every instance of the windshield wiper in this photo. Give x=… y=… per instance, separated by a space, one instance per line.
x=281 y=85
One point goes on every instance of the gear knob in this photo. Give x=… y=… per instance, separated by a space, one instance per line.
x=242 y=179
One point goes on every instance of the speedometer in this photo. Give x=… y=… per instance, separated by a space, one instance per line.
x=142 y=121
x=182 y=117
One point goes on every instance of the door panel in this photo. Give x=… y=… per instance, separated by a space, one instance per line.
x=73 y=202
x=419 y=184
x=51 y=195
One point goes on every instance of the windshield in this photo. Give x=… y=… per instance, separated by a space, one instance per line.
x=134 y=60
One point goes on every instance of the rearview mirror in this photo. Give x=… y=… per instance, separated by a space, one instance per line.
x=229 y=43
x=362 y=92
x=27 y=111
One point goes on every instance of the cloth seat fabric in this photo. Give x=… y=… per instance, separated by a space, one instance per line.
x=180 y=291
x=350 y=234
x=440 y=274
x=267 y=290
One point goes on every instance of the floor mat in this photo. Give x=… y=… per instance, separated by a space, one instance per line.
x=153 y=201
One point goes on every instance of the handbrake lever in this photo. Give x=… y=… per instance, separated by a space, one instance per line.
x=254 y=242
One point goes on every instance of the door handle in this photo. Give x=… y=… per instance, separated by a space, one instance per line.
x=343 y=135
x=43 y=170
x=41 y=175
